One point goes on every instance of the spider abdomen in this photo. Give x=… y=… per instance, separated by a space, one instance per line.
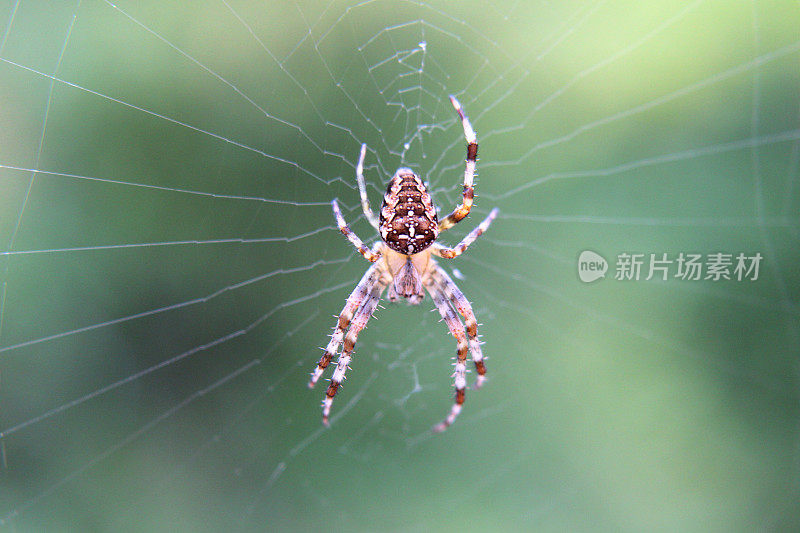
x=408 y=222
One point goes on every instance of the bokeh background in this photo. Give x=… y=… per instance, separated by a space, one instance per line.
x=170 y=265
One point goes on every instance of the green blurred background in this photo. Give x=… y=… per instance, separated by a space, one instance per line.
x=170 y=265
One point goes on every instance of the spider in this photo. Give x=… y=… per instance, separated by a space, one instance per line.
x=402 y=262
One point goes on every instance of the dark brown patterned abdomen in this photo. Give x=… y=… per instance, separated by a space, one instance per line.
x=408 y=221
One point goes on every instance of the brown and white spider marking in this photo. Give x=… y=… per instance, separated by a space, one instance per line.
x=402 y=262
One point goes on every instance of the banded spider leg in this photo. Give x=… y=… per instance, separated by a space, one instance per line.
x=449 y=299
x=358 y=323
x=354 y=302
x=462 y=210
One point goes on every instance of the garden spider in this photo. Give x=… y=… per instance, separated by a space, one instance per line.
x=402 y=261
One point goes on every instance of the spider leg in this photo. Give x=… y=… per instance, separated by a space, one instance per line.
x=462 y=305
x=462 y=210
x=351 y=236
x=450 y=253
x=359 y=322
x=362 y=189
x=354 y=302
x=457 y=330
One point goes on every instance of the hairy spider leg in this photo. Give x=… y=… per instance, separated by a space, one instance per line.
x=462 y=210
x=450 y=253
x=457 y=299
x=358 y=323
x=457 y=330
x=362 y=189
x=353 y=303
x=370 y=255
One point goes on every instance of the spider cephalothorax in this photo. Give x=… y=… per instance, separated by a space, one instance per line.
x=402 y=262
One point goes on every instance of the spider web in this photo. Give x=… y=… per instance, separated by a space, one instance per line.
x=170 y=264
